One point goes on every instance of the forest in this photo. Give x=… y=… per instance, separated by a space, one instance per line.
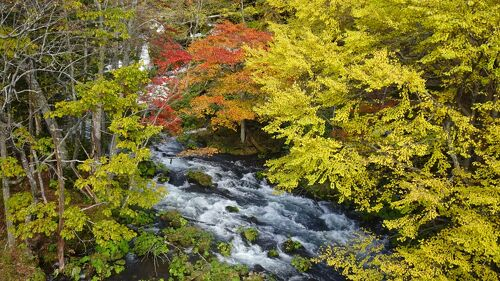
x=249 y=140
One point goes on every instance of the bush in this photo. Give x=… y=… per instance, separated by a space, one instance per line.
x=173 y=219
x=301 y=264
x=190 y=236
x=224 y=249
x=148 y=244
x=290 y=246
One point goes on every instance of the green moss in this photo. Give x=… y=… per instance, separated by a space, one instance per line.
x=232 y=209
x=224 y=249
x=173 y=219
x=290 y=246
x=301 y=264
x=190 y=236
x=273 y=253
x=253 y=276
x=200 y=178
x=19 y=264
x=249 y=234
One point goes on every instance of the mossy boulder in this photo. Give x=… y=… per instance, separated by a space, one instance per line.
x=250 y=234
x=291 y=246
x=173 y=219
x=273 y=253
x=232 y=209
x=200 y=178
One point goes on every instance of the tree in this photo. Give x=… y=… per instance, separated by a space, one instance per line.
x=218 y=62
x=398 y=102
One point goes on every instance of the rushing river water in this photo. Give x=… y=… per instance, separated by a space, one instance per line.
x=276 y=216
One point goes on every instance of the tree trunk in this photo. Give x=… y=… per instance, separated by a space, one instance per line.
x=30 y=174
x=60 y=183
x=243 y=131
x=5 y=185
x=52 y=125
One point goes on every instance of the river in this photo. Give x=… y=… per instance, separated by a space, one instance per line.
x=277 y=216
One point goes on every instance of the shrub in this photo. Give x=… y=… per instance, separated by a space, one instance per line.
x=173 y=219
x=301 y=264
x=224 y=249
x=290 y=246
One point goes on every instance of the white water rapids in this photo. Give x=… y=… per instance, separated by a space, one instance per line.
x=276 y=216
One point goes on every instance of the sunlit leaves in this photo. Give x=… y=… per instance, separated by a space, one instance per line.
x=392 y=104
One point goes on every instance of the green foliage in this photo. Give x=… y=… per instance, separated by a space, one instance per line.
x=9 y=167
x=19 y=264
x=301 y=264
x=109 y=233
x=148 y=244
x=273 y=253
x=147 y=169
x=190 y=236
x=224 y=248
x=173 y=219
x=396 y=99
x=179 y=267
x=74 y=221
x=260 y=175
x=250 y=234
x=42 y=217
x=200 y=178
x=290 y=246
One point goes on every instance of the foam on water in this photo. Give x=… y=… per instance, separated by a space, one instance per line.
x=277 y=217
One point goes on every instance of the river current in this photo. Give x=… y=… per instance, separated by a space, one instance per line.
x=277 y=216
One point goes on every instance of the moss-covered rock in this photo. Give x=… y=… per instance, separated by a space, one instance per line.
x=199 y=177
x=249 y=234
x=232 y=209
x=291 y=246
x=273 y=253
x=173 y=219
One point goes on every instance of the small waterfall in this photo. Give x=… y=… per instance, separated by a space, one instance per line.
x=145 y=59
x=277 y=217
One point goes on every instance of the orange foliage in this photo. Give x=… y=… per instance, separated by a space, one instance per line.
x=220 y=57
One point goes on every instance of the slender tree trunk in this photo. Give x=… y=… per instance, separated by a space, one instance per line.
x=97 y=114
x=243 y=131
x=52 y=125
x=242 y=9
x=30 y=173
x=5 y=185
x=39 y=175
x=60 y=183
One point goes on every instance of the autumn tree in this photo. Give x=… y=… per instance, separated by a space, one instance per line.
x=219 y=63
x=394 y=105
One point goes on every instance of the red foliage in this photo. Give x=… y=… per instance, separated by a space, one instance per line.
x=225 y=44
x=170 y=55
x=161 y=114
